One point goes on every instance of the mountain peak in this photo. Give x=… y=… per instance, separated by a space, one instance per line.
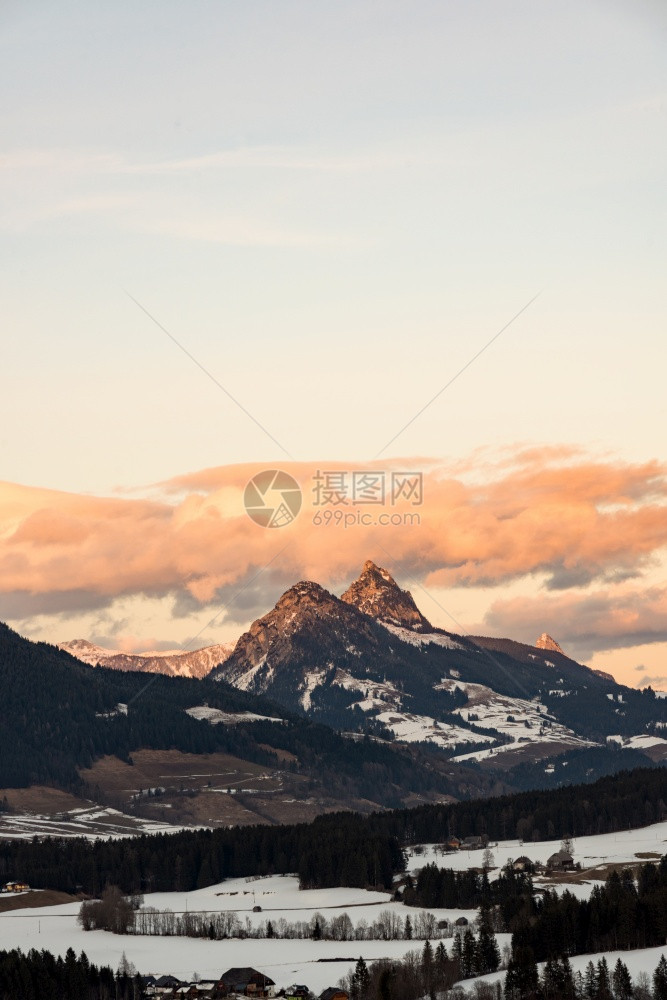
x=546 y=642
x=377 y=594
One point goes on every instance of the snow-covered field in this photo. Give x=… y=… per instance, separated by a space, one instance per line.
x=619 y=848
x=316 y=963
x=286 y=961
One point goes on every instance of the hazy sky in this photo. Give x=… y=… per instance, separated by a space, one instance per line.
x=333 y=207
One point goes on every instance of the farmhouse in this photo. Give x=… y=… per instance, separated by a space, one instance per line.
x=560 y=861
x=334 y=993
x=16 y=887
x=246 y=981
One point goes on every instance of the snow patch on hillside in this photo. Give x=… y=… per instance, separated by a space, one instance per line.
x=312 y=680
x=377 y=694
x=412 y=728
x=641 y=742
x=216 y=716
x=524 y=721
x=422 y=639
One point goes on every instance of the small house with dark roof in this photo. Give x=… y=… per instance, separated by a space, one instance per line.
x=560 y=861
x=523 y=864
x=334 y=993
x=246 y=981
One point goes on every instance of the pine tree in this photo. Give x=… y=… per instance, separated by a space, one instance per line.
x=427 y=969
x=457 y=951
x=468 y=954
x=522 y=981
x=407 y=933
x=568 y=987
x=603 y=981
x=622 y=982
x=360 y=984
x=488 y=952
x=384 y=984
x=590 y=982
x=660 y=980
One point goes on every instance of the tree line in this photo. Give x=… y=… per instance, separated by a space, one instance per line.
x=335 y=849
x=127 y=915
x=39 y=975
x=432 y=974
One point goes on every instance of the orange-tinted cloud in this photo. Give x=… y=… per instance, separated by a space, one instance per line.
x=552 y=513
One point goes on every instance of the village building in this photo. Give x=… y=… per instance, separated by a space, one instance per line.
x=297 y=992
x=161 y=985
x=16 y=887
x=334 y=993
x=246 y=982
x=560 y=861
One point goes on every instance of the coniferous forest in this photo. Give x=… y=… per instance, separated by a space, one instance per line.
x=40 y=976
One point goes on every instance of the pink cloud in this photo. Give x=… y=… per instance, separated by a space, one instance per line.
x=553 y=512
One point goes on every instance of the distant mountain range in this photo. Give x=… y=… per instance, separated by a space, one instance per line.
x=173 y=663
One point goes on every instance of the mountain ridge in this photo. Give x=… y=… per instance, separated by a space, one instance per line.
x=173 y=663
x=371 y=659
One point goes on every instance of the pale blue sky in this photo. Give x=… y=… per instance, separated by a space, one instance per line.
x=333 y=206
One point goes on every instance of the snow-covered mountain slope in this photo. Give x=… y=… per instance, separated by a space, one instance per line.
x=370 y=661
x=521 y=721
x=174 y=662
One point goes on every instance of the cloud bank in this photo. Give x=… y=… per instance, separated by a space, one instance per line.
x=589 y=528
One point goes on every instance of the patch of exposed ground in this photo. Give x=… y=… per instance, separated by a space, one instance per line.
x=33 y=898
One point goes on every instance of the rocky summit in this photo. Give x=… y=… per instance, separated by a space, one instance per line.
x=377 y=594
x=546 y=642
